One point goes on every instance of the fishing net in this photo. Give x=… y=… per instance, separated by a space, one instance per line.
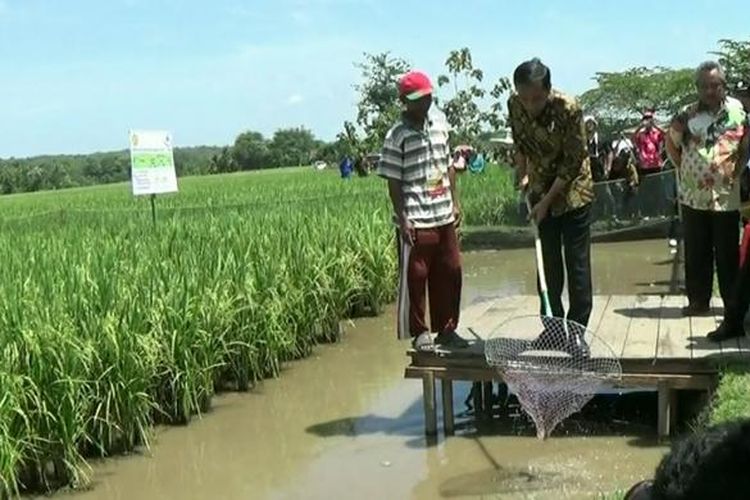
x=553 y=366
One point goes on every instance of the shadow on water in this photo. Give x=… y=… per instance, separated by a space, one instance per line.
x=612 y=414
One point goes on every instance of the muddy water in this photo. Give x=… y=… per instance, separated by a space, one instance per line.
x=345 y=424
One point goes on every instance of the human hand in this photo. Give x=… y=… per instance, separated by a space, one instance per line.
x=408 y=233
x=457 y=216
x=539 y=211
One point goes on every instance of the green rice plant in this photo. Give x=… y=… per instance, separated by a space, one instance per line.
x=109 y=324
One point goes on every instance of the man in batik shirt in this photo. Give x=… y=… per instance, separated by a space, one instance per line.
x=552 y=157
x=707 y=142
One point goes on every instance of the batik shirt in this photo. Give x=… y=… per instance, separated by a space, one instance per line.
x=710 y=151
x=554 y=145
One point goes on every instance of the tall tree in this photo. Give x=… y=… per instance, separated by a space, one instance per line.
x=464 y=108
x=291 y=147
x=250 y=151
x=734 y=56
x=620 y=98
x=378 y=107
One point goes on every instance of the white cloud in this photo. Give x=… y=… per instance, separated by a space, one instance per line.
x=294 y=99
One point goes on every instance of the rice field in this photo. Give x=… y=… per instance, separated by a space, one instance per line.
x=110 y=325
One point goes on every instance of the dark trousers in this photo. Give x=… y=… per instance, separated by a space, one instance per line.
x=571 y=231
x=650 y=192
x=710 y=237
x=434 y=269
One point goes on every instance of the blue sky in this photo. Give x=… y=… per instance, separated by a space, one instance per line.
x=76 y=75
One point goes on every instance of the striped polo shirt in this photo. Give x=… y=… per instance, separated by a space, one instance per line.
x=419 y=159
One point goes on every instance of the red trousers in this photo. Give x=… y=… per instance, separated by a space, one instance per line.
x=745 y=246
x=433 y=266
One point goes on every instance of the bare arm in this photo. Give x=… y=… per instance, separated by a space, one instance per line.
x=397 y=199
x=608 y=163
x=521 y=165
x=454 y=195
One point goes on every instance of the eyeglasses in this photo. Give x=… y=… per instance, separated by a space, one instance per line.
x=640 y=491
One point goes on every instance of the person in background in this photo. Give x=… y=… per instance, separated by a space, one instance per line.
x=596 y=148
x=742 y=93
x=346 y=167
x=707 y=143
x=735 y=311
x=620 y=166
x=553 y=166
x=648 y=141
x=416 y=161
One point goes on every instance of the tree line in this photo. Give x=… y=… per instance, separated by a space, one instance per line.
x=250 y=151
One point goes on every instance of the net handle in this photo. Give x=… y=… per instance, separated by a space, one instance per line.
x=539 y=262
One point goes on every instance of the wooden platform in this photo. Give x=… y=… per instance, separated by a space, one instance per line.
x=656 y=346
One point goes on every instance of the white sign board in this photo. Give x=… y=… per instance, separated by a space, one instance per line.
x=152 y=162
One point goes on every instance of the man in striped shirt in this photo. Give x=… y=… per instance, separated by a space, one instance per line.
x=421 y=182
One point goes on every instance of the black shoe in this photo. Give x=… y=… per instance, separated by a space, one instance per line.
x=695 y=310
x=451 y=340
x=578 y=348
x=725 y=332
x=548 y=340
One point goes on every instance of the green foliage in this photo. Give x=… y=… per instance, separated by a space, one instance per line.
x=292 y=147
x=734 y=56
x=108 y=326
x=730 y=401
x=250 y=151
x=463 y=110
x=378 y=107
x=621 y=97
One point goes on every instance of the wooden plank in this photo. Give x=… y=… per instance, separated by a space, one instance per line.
x=503 y=310
x=699 y=328
x=447 y=396
x=674 y=381
x=615 y=322
x=428 y=399
x=484 y=326
x=472 y=312
x=666 y=410
x=487 y=398
x=674 y=330
x=644 y=329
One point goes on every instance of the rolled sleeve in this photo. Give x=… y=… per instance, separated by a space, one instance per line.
x=391 y=164
x=574 y=152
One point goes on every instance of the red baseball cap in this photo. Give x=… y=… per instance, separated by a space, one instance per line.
x=414 y=85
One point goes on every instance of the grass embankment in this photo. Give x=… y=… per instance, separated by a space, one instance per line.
x=730 y=402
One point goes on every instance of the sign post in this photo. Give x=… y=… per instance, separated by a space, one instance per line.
x=152 y=164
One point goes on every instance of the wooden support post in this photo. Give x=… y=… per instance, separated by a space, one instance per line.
x=448 y=420
x=430 y=410
x=487 y=398
x=667 y=409
x=477 y=392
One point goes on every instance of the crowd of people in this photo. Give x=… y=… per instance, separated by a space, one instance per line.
x=558 y=156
